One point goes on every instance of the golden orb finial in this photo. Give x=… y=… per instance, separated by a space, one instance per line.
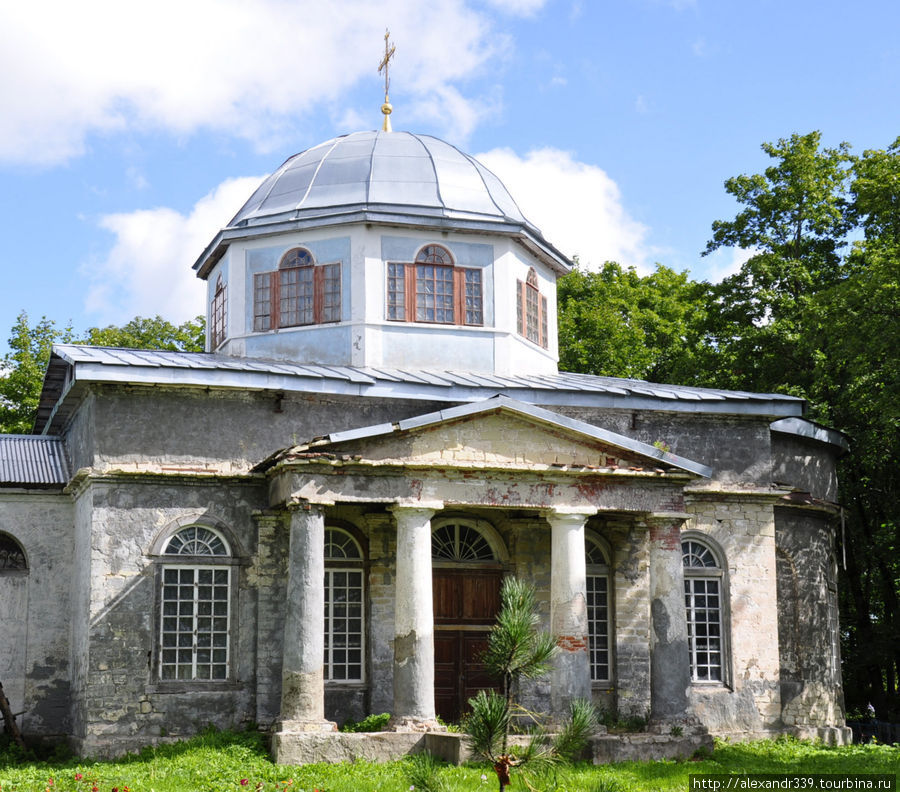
x=386 y=108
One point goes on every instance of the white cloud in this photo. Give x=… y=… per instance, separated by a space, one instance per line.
x=518 y=7
x=577 y=206
x=148 y=270
x=250 y=69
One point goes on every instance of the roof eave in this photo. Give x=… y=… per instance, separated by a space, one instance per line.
x=410 y=217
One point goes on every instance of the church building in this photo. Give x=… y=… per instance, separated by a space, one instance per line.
x=310 y=521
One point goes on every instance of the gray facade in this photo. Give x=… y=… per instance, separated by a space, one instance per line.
x=202 y=511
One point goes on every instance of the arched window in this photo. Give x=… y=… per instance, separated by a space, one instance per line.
x=195 y=606
x=458 y=541
x=299 y=292
x=598 y=607
x=703 y=601
x=217 y=316
x=531 y=310
x=344 y=607
x=434 y=289
x=12 y=556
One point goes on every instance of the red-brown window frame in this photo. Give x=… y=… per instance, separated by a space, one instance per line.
x=273 y=316
x=523 y=289
x=217 y=315
x=459 y=294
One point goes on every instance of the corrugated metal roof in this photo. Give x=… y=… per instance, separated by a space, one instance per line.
x=72 y=363
x=28 y=460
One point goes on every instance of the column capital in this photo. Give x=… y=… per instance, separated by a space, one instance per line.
x=424 y=509
x=571 y=515
x=665 y=518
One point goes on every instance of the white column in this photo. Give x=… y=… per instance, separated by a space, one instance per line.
x=302 y=674
x=571 y=676
x=413 y=621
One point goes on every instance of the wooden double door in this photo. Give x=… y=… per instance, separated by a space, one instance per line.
x=466 y=602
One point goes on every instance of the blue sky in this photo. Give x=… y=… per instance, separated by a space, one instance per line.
x=130 y=132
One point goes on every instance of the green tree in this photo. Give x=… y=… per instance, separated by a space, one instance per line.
x=614 y=322
x=795 y=219
x=151 y=333
x=22 y=369
x=517 y=650
x=804 y=318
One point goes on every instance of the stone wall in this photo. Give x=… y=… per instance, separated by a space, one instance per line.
x=743 y=527
x=122 y=704
x=807 y=465
x=35 y=608
x=807 y=619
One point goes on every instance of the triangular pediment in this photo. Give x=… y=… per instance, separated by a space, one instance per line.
x=494 y=433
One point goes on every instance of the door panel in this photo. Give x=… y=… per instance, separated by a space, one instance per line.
x=468 y=598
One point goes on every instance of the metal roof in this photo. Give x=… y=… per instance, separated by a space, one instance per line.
x=381 y=177
x=29 y=460
x=71 y=364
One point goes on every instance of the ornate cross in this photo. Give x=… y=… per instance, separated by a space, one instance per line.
x=389 y=50
x=385 y=63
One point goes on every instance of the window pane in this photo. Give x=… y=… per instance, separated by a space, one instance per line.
x=396 y=292
x=262 y=301
x=343 y=636
x=474 y=313
x=331 y=293
x=296 y=297
x=434 y=294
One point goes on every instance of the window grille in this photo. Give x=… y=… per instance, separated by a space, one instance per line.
x=598 y=610
x=433 y=289
x=195 y=608
x=703 y=605
x=344 y=608
x=460 y=542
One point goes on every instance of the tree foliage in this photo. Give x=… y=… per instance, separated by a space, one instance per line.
x=518 y=649
x=614 y=322
x=22 y=368
x=808 y=314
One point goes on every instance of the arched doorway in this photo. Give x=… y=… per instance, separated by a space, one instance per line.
x=466 y=573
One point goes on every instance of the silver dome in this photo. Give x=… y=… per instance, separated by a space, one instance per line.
x=395 y=178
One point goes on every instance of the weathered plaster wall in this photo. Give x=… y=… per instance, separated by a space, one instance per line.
x=737 y=449
x=749 y=702
x=123 y=704
x=806 y=465
x=35 y=611
x=807 y=619
x=224 y=431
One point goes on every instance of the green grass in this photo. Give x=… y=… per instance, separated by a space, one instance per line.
x=217 y=761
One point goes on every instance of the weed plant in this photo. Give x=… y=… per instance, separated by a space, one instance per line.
x=225 y=761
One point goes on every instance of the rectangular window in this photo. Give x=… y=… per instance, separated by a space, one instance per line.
x=473 y=307
x=434 y=293
x=598 y=626
x=262 y=301
x=217 y=317
x=396 y=292
x=194 y=625
x=296 y=296
x=704 y=623
x=344 y=625
x=531 y=314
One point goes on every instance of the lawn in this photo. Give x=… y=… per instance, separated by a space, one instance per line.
x=217 y=761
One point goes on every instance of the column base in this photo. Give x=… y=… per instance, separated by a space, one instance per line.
x=409 y=724
x=304 y=727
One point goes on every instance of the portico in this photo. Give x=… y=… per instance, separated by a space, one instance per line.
x=496 y=458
